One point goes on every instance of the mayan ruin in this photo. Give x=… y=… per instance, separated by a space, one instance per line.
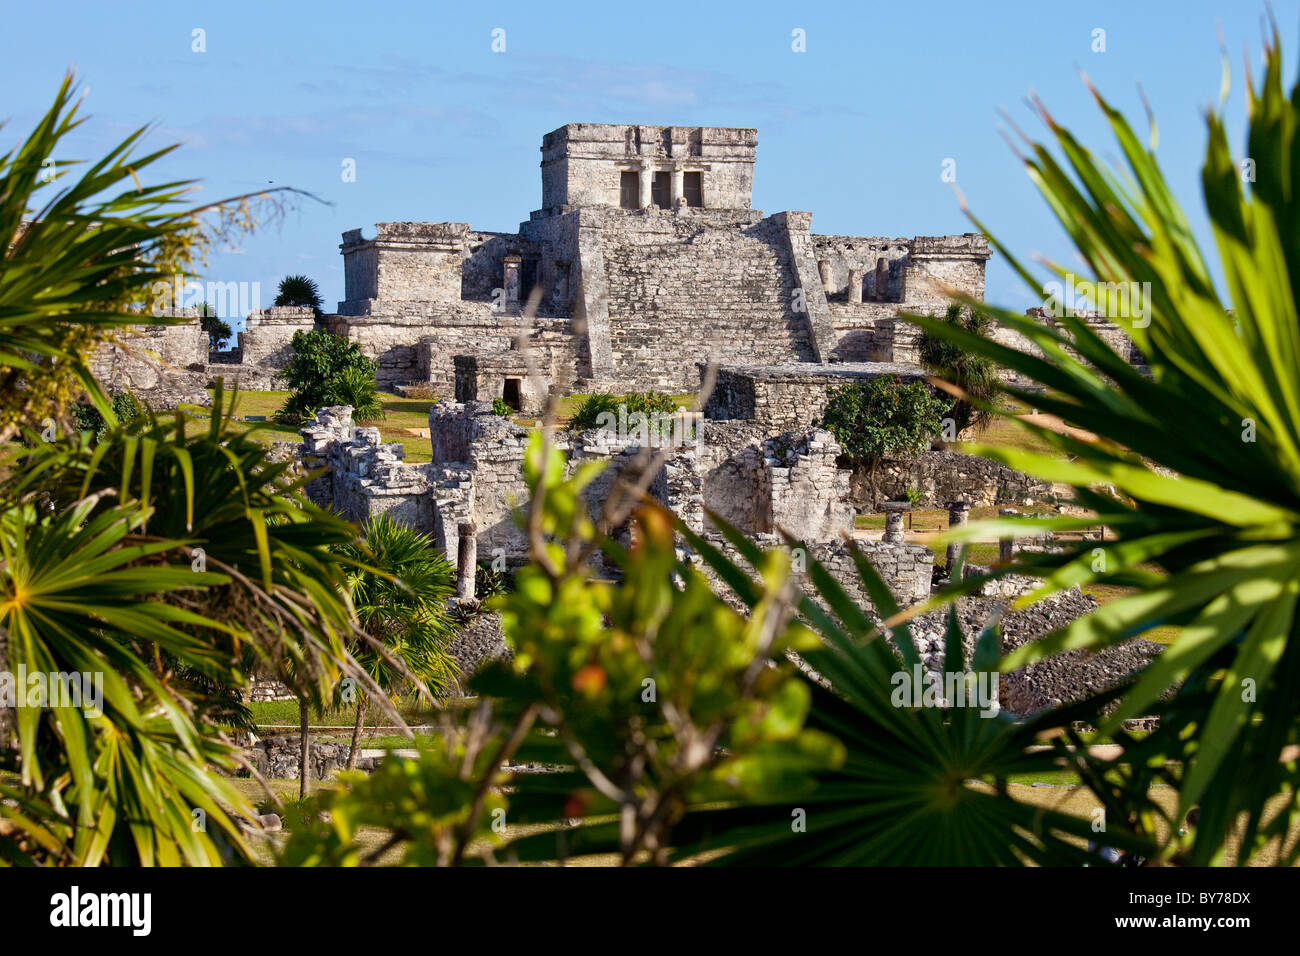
x=719 y=438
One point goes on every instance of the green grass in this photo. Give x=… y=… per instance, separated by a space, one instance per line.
x=286 y=712
x=404 y=421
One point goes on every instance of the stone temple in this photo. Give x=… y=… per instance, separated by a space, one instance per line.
x=646 y=267
x=648 y=258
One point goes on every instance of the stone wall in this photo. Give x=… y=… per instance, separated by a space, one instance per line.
x=161 y=364
x=790 y=395
x=263 y=348
x=277 y=758
x=788 y=482
x=483 y=378
x=365 y=477
x=906 y=569
x=944 y=476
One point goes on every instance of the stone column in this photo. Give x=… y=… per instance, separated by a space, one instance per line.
x=647 y=179
x=676 y=190
x=511 y=282
x=466 y=560
x=958 y=512
x=1006 y=546
x=824 y=270
x=894 y=520
x=855 y=286
x=882 y=279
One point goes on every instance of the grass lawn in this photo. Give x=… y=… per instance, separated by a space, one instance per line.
x=406 y=420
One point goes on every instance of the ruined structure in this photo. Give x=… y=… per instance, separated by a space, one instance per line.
x=647 y=257
x=760 y=484
x=161 y=364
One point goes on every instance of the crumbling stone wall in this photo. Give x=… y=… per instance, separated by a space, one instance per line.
x=789 y=395
x=941 y=477
x=482 y=378
x=160 y=364
x=906 y=569
x=365 y=477
x=263 y=348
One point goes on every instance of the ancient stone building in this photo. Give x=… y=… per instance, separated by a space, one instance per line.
x=647 y=257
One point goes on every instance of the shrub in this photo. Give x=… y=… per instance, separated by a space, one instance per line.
x=587 y=415
x=499 y=407
x=315 y=373
x=590 y=409
x=356 y=387
x=130 y=412
x=883 y=416
x=299 y=290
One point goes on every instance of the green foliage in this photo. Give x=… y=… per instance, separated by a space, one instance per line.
x=399 y=590
x=655 y=693
x=915 y=496
x=72 y=263
x=922 y=785
x=500 y=408
x=883 y=416
x=587 y=414
x=324 y=370
x=1211 y=539
x=163 y=565
x=356 y=386
x=219 y=332
x=974 y=374
x=299 y=290
x=431 y=808
x=130 y=415
x=590 y=409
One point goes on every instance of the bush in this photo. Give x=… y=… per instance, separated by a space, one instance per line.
x=590 y=409
x=882 y=417
x=317 y=375
x=130 y=412
x=356 y=387
x=587 y=415
x=299 y=290
x=499 y=407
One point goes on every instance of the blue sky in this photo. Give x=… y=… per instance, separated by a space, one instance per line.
x=442 y=128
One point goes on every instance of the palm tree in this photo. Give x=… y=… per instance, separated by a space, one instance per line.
x=1196 y=466
x=976 y=375
x=300 y=290
x=400 y=593
x=151 y=560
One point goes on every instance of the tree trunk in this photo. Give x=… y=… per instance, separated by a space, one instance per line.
x=356 y=733
x=304 y=753
x=8 y=716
